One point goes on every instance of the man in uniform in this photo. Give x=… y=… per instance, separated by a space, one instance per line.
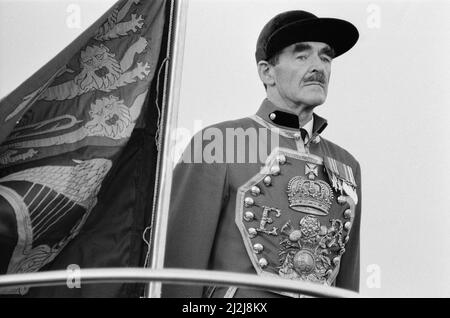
x=293 y=213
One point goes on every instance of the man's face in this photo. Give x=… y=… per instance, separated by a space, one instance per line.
x=302 y=73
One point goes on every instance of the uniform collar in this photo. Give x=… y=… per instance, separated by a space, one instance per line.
x=309 y=126
x=288 y=120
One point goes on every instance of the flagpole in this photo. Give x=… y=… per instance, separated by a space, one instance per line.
x=177 y=23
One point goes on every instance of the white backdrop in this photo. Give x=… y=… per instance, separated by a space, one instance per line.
x=388 y=105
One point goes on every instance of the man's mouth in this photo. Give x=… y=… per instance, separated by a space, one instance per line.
x=314 y=83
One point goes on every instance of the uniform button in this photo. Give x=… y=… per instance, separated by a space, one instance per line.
x=323 y=230
x=347 y=214
x=258 y=248
x=272 y=116
x=252 y=232
x=281 y=159
x=295 y=236
x=249 y=202
x=341 y=199
x=347 y=225
x=275 y=170
x=267 y=180
x=346 y=239
x=249 y=216
x=336 y=260
x=316 y=140
x=263 y=262
x=297 y=136
x=256 y=191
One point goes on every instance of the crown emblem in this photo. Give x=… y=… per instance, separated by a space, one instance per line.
x=309 y=196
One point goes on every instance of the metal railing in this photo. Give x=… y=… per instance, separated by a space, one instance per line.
x=173 y=276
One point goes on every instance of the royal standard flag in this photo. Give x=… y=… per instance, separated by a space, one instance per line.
x=72 y=182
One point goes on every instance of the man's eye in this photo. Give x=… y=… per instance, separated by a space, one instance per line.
x=302 y=57
x=326 y=59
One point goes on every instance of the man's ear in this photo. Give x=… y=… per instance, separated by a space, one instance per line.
x=265 y=71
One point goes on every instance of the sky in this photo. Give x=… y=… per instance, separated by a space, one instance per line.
x=387 y=104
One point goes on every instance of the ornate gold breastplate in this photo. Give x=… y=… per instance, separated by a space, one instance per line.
x=294 y=220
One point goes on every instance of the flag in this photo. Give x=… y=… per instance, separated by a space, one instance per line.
x=78 y=152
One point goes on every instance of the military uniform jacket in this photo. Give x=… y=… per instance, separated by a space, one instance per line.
x=250 y=196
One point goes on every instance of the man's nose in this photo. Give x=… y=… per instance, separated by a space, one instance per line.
x=317 y=65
